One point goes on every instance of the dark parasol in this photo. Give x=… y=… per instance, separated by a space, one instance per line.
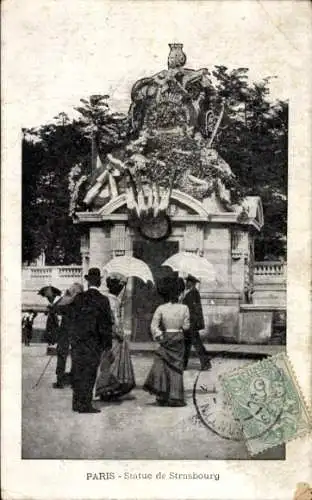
x=50 y=292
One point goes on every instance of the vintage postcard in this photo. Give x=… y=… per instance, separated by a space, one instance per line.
x=156 y=250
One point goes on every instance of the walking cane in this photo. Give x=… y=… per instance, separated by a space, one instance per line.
x=43 y=372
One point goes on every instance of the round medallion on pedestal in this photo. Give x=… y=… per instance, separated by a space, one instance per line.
x=155 y=228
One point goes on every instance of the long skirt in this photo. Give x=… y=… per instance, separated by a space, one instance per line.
x=115 y=378
x=52 y=328
x=165 y=378
x=27 y=334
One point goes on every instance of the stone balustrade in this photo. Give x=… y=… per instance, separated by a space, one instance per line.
x=269 y=268
x=70 y=272
x=50 y=275
x=270 y=283
x=34 y=278
x=61 y=276
x=269 y=296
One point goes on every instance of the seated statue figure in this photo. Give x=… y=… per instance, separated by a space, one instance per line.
x=189 y=90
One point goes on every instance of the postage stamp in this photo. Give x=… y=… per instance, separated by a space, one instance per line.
x=266 y=399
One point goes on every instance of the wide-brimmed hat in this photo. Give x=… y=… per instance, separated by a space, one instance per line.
x=192 y=278
x=118 y=277
x=49 y=292
x=93 y=273
x=167 y=284
x=70 y=295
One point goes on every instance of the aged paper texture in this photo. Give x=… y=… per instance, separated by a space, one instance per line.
x=55 y=53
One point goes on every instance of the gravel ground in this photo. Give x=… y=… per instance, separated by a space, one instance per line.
x=134 y=428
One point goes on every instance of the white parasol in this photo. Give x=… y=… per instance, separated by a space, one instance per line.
x=199 y=267
x=129 y=266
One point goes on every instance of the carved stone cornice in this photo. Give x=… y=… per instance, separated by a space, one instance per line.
x=197 y=212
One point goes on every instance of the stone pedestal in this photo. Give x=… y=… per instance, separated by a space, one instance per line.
x=203 y=229
x=258 y=322
x=100 y=248
x=221 y=314
x=217 y=250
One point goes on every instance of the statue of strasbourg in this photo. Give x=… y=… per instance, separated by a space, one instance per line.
x=175 y=116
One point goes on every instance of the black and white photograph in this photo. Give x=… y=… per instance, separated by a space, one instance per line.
x=154 y=229
x=154 y=247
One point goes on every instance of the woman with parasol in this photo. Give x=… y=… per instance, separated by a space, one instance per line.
x=52 y=294
x=116 y=378
x=170 y=320
x=197 y=267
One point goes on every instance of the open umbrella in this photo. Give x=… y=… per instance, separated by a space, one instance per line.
x=49 y=292
x=129 y=266
x=199 y=267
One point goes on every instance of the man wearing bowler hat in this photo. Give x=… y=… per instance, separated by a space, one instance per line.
x=191 y=298
x=91 y=335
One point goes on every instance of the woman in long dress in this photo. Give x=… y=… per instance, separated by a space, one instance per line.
x=116 y=377
x=170 y=320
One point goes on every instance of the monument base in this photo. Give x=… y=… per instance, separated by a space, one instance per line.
x=221 y=313
x=262 y=324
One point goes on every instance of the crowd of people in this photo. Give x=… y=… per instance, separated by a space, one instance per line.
x=91 y=327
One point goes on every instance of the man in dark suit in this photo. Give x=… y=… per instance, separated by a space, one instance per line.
x=191 y=298
x=63 y=307
x=91 y=334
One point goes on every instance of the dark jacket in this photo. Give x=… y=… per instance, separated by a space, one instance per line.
x=91 y=320
x=66 y=313
x=52 y=327
x=193 y=302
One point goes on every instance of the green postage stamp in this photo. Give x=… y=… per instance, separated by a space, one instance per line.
x=267 y=401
